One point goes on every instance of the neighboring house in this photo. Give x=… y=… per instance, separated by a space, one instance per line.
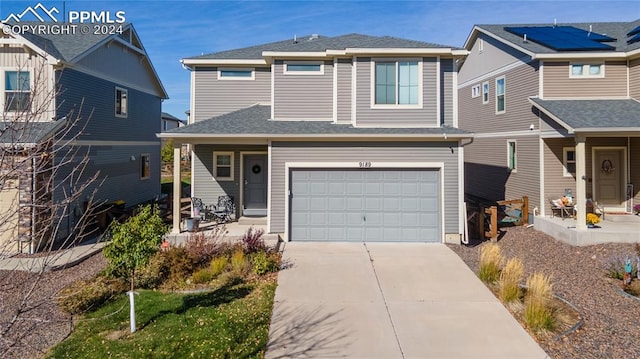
x=550 y=104
x=341 y=138
x=170 y=122
x=106 y=88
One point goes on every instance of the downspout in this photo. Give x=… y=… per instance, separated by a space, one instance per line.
x=33 y=205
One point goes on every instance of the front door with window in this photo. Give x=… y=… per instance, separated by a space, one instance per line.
x=608 y=176
x=255 y=185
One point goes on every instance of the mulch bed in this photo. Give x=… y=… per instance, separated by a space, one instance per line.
x=611 y=326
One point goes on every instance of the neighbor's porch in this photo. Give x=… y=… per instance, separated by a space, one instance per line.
x=615 y=227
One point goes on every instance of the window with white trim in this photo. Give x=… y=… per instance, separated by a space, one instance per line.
x=122 y=102
x=568 y=161
x=17 y=91
x=236 y=74
x=580 y=70
x=512 y=155
x=397 y=82
x=500 y=91
x=145 y=166
x=303 y=68
x=475 y=91
x=485 y=92
x=223 y=166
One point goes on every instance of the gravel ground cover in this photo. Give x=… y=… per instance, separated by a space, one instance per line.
x=611 y=326
x=41 y=324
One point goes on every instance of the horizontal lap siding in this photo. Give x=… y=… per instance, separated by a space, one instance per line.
x=344 y=72
x=634 y=78
x=554 y=181
x=282 y=152
x=300 y=97
x=635 y=168
x=213 y=97
x=424 y=117
x=446 y=91
x=557 y=82
x=494 y=55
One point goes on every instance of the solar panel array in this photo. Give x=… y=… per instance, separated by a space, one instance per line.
x=563 y=38
x=633 y=38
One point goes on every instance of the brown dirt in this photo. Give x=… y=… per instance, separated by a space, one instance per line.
x=610 y=328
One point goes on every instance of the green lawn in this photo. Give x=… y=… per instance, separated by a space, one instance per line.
x=230 y=322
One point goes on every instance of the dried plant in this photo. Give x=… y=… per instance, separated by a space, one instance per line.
x=509 y=284
x=490 y=262
x=537 y=302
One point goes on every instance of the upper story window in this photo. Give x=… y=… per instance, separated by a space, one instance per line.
x=485 y=92
x=223 y=166
x=397 y=83
x=17 y=91
x=122 y=102
x=580 y=70
x=569 y=162
x=475 y=91
x=236 y=74
x=500 y=91
x=304 y=68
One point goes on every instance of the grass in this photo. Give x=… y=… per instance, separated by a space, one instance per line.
x=231 y=321
x=538 y=313
x=166 y=184
x=509 y=282
x=490 y=261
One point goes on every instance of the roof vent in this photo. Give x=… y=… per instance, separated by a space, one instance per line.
x=524 y=38
x=313 y=37
x=555 y=22
x=295 y=39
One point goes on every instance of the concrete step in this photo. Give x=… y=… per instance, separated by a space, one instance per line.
x=621 y=217
x=246 y=220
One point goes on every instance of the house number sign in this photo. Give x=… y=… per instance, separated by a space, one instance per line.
x=364 y=164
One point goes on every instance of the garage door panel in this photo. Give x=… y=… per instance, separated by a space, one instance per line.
x=365 y=205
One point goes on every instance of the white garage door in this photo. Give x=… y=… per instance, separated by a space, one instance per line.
x=365 y=205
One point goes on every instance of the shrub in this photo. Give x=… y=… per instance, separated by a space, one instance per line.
x=510 y=278
x=84 y=295
x=219 y=264
x=490 y=261
x=153 y=274
x=264 y=263
x=537 y=311
x=203 y=247
x=179 y=263
x=252 y=240
x=203 y=276
x=239 y=262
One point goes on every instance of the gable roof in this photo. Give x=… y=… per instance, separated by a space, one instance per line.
x=27 y=133
x=592 y=115
x=168 y=116
x=318 y=43
x=254 y=122
x=616 y=30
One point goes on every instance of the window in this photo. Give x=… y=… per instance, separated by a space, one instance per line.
x=145 y=171
x=304 y=68
x=569 y=162
x=121 y=102
x=17 y=91
x=397 y=83
x=475 y=91
x=236 y=74
x=586 y=70
x=223 y=166
x=500 y=95
x=512 y=156
x=485 y=92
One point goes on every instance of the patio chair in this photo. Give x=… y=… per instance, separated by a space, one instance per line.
x=225 y=210
x=558 y=207
x=200 y=210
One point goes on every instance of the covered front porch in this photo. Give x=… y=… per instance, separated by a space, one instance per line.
x=617 y=228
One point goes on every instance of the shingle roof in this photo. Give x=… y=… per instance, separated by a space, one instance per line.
x=26 y=133
x=320 y=43
x=168 y=116
x=593 y=114
x=254 y=120
x=617 y=30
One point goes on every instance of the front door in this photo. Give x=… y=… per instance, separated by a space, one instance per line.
x=608 y=175
x=255 y=185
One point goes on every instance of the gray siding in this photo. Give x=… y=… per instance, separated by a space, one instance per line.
x=493 y=56
x=300 y=97
x=635 y=168
x=446 y=91
x=557 y=83
x=282 y=152
x=487 y=175
x=344 y=72
x=424 y=117
x=204 y=185
x=520 y=83
x=129 y=69
x=554 y=181
x=634 y=79
x=213 y=97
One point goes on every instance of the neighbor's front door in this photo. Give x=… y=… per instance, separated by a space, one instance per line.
x=608 y=176
x=255 y=185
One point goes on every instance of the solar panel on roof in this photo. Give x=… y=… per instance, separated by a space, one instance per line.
x=634 y=39
x=634 y=31
x=563 y=38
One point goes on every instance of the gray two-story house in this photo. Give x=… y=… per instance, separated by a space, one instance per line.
x=345 y=138
x=555 y=111
x=93 y=95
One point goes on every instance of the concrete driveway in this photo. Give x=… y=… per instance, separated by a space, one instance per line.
x=388 y=300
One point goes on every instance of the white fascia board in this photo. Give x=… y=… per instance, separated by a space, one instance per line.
x=609 y=131
x=581 y=55
x=400 y=51
x=472 y=34
x=569 y=129
x=519 y=48
x=20 y=40
x=194 y=136
x=214 y=62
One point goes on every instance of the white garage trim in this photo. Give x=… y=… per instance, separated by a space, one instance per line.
x=364 y=164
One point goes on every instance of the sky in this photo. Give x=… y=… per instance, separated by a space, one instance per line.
x=173 y=30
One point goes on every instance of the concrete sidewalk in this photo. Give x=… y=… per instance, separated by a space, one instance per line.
x=56 y=261
x=388 y=300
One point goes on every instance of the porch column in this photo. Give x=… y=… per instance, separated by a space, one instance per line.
x=177 y=184
x=581 y=183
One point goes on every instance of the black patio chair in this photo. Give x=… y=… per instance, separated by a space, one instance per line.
x=225 y=210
